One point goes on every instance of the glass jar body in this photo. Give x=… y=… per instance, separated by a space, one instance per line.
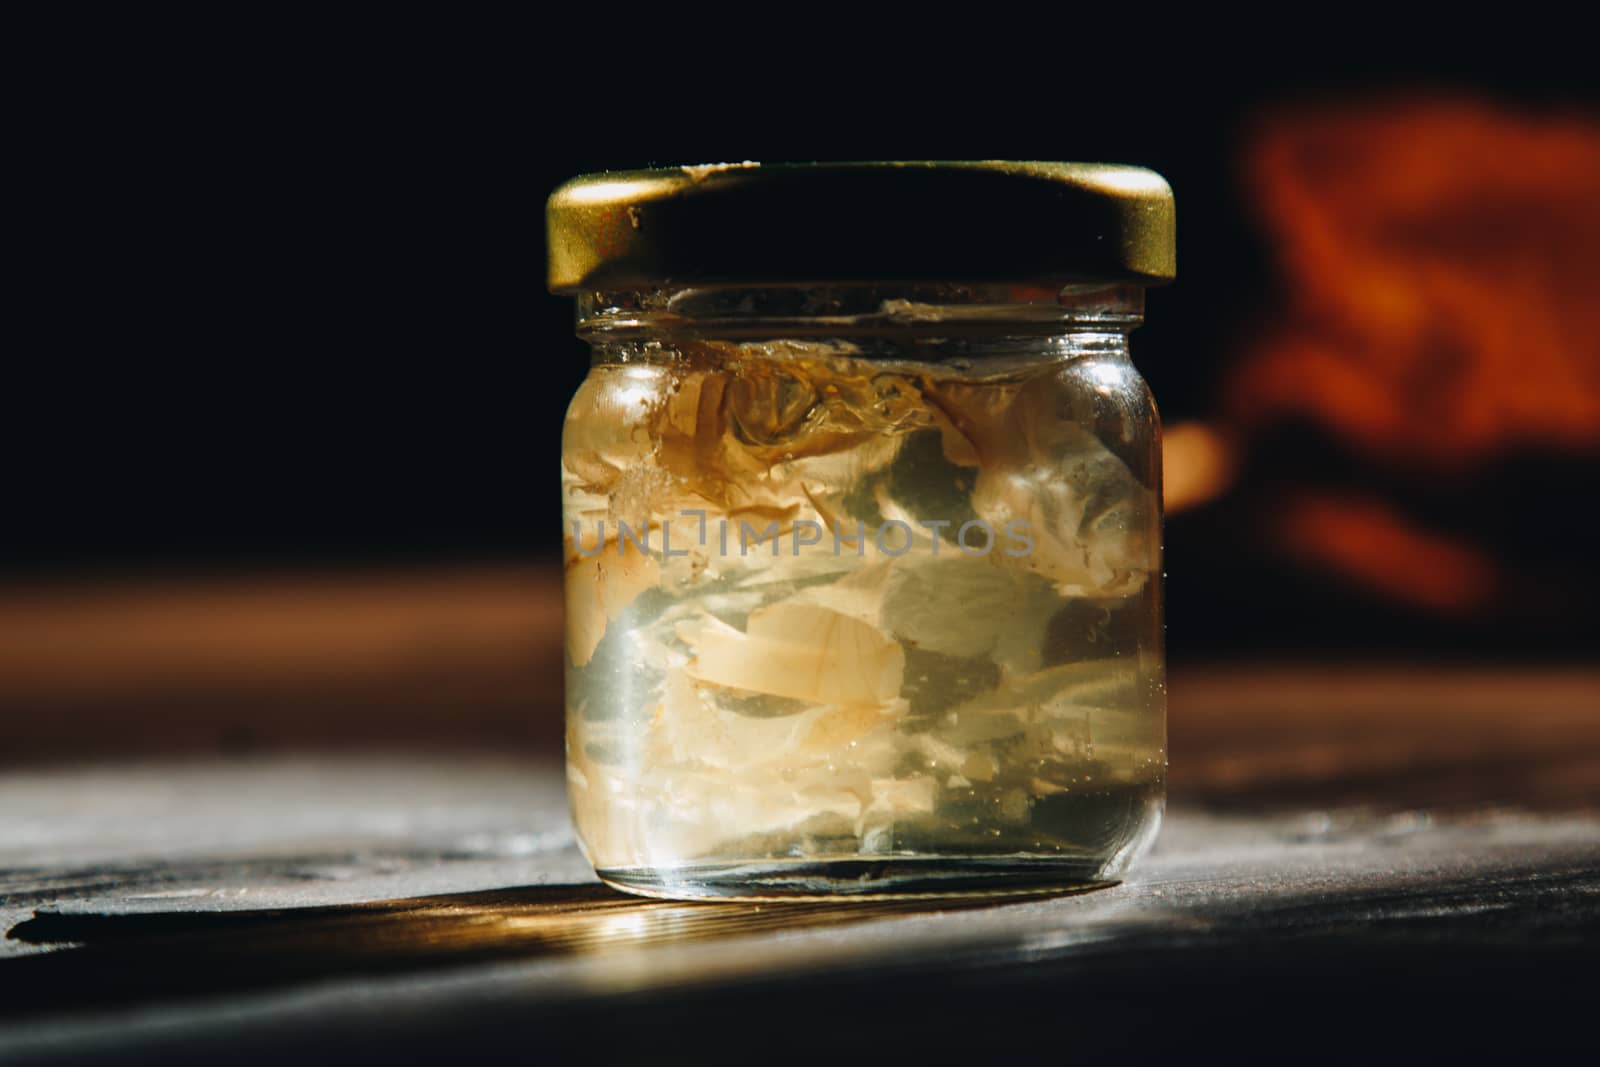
x=863 y=591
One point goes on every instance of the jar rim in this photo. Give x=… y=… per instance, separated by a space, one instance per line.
x=906 y=310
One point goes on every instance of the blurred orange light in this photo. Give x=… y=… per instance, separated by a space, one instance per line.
x=1441 y=262
x=1370 y=541
x=1197 y=465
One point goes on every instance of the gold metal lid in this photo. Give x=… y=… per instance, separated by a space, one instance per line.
x=744 y=223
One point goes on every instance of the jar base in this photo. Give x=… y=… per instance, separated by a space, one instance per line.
x=865 y=879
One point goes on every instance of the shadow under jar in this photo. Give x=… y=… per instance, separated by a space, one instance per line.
x=863 y=550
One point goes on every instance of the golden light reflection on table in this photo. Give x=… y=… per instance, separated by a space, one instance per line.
x=203 y=953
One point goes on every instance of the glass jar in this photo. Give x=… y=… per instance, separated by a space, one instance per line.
x=863 y=554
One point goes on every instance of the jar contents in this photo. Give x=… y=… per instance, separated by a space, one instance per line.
x=827 y=611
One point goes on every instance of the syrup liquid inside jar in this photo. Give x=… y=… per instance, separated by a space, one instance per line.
x=863 y=588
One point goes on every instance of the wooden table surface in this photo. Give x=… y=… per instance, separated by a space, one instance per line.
x=1357 y=861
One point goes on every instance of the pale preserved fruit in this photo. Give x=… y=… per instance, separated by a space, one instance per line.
x=826 y=611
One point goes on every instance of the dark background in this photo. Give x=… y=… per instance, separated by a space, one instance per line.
x=279 y=415
x=283 y=306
